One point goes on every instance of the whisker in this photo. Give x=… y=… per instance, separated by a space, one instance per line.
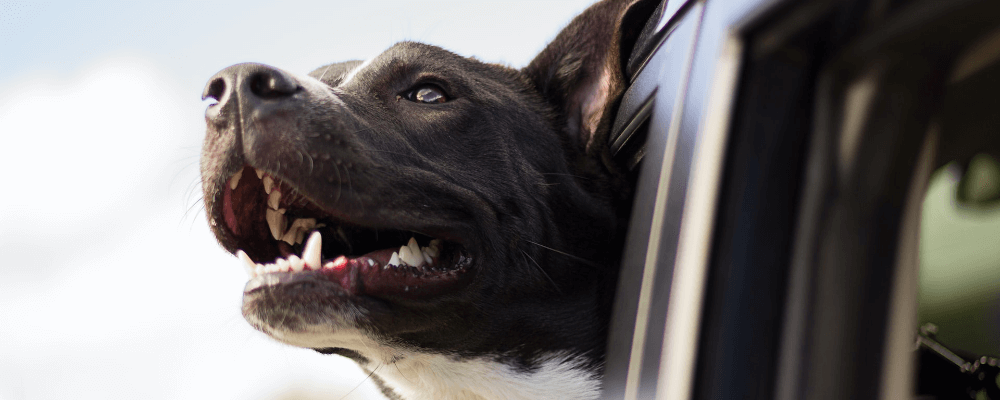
x=565 y=174
x=362 y=382
x=542 y=270
x=324 y=73
x=395 y=362
x=580 y=259
x=391 y=152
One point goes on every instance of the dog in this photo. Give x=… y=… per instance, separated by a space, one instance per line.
x=453 y=226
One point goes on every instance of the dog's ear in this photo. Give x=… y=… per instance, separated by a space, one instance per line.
x=581 y=73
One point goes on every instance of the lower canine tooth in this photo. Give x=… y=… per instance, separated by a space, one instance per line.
x=394 y=260
x=248 y=264
x=313 y=250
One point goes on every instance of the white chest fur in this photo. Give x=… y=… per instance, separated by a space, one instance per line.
x=419 y=376
x=438 y=377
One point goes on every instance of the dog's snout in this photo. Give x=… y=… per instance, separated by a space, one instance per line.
x=246 y=86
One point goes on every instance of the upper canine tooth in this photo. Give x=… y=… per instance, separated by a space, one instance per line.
x=313 y=250
x=406 y=255
x=268 y=184
x=275 y=221
x=260 y=174
x=235 y=180
x=273 y=199
x=248 y=264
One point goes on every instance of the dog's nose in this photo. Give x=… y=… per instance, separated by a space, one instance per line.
x=248 y=85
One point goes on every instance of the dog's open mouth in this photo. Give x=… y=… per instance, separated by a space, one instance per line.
x=283 y=237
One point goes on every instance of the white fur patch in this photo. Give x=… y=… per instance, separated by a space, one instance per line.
x=419 y=376
x=438 y=377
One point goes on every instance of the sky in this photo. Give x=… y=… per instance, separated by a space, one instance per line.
x=112 y=286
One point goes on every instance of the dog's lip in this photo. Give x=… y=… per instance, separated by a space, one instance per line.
x=363 y=276
x=360 y=275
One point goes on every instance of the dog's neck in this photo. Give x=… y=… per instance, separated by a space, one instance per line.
x=407 y=374
x=439 y=377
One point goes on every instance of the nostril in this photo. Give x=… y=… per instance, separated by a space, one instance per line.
x=271 y=84
x=215 y=90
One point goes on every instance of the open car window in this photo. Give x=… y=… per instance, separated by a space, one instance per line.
x=793 y=160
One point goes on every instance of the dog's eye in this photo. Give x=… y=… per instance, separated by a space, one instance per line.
x=427 y=93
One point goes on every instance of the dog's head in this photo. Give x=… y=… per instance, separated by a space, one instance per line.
x=425 y=201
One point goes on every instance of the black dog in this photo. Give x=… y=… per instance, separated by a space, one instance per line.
x=451 y=225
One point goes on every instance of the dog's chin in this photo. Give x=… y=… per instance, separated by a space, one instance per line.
x=312 y=265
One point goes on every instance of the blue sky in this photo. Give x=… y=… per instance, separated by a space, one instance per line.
x=112 y=286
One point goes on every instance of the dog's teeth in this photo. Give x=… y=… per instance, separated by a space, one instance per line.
x=235 y=180
x=271 y=268
x=248 y=264
x=260 y=174
x=328 y=265
x=436 y=244
x=273 y=199
x=427 y=257
x=394 y=260
x=414 y=247
x=297 y=264
x=313 y=250
x=432 y=251
x=297 y=230
x=268 y=184
x=259 y=270
x=283 y=264
x=406 y=255
x=275 y=221
x=289 y=236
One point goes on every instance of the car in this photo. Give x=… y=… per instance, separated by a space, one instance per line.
x=781 y=151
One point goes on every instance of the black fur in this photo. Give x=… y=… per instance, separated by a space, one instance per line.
x=515 y=166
